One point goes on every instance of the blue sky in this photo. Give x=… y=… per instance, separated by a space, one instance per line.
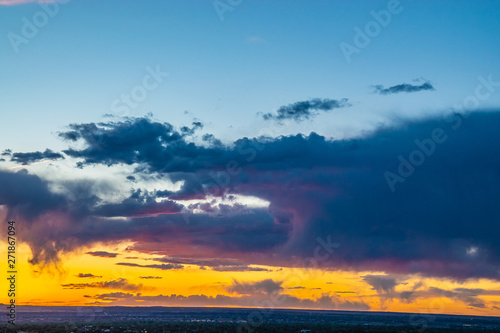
x=261 y=56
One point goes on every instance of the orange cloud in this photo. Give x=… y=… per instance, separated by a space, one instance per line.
x=121 y=283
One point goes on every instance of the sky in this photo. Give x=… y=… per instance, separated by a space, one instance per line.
x=307 y=154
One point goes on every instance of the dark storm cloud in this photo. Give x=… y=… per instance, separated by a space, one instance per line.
x=243 y=268
x=210 y=262
x=303 y=110
x=27 y=195
x=49 y=219
x=439 y=218
x=103 y=254
x=404 y=87
x=27 y=158
x=150 y=277
x=136 y=141
x=219 y=265
x=212 y=140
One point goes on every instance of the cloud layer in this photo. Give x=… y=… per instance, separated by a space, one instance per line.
x=404 y=87
x=329 y=199
x=385 y=286
x=265 y=293
x=26 y=158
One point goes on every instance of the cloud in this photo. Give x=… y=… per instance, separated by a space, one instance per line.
x=303 y=110
x=150 y=277
x=107 y=144
x=219 y=265
x=242 y=268
x=162 y=267
x=185 y=130
x=27 y=195
x=103 y=254
x=316 y=187
x=112 y=296
x=468 y=296
x=210 y=262
x=325 y=302
x=404 y=87
x=139 y=203
x=383 y=284
x=27 y=158
x=267 y=286
x=247 y=295
x=344 y=292
x=121 y=284
x=88 y=275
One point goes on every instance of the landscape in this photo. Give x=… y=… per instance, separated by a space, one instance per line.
x=249 y=166
x=161 y=319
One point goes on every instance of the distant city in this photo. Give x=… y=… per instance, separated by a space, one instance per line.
x=31 y=319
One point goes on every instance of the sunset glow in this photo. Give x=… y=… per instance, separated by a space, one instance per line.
x=325 y=155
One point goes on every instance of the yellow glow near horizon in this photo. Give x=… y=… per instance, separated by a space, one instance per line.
x=37 y=286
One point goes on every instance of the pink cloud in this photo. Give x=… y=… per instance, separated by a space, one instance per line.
x=22 y=2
